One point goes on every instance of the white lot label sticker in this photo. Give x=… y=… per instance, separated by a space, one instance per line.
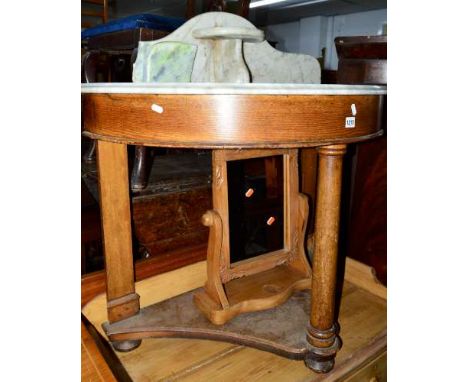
x=350 y=122
x=158 y=109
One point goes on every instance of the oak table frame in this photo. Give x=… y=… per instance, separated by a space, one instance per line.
x=237 y=117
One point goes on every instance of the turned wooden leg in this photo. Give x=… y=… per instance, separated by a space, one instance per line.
x=140 y=170
x=322 y=333
x=122 y=301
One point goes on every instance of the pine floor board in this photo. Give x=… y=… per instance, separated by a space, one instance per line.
x=93 y=366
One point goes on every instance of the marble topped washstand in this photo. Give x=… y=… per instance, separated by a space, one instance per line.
x=238 y=117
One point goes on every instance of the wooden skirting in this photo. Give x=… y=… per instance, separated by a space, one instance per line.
x=364 y=277
x=363 y=330
x=94 y=284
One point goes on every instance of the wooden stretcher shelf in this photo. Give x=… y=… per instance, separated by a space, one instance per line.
x=252 y=293
x=363 y=330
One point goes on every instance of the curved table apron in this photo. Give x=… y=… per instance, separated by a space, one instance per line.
x=245 y=116
x=225 y=116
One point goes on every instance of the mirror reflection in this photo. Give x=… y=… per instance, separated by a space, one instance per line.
x=256 y=206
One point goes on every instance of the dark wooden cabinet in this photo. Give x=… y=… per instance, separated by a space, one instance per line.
x=179 y=192
x=363 y=60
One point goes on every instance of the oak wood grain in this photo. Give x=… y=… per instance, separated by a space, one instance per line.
x=322 y=332
x=116 y=228
x=324 y=261
x=216 y=121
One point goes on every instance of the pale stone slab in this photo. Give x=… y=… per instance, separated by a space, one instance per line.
x=252 y=89
x=228 y=50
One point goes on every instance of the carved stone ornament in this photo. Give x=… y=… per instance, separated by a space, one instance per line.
x=220 y=47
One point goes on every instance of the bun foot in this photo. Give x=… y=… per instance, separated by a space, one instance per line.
x=125 y=346
x=321 y=359
x=319 y=364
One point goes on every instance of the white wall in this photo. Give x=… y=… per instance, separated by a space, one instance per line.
x=313 y=35
x=286 y=35
x=309 y=35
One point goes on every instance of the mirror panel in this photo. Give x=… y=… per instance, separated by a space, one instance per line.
x=256 y=206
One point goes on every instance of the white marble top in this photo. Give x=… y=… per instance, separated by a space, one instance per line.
x=224 y=88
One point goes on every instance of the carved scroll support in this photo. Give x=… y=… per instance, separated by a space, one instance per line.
x=214 y=287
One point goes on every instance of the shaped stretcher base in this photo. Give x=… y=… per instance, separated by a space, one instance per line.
x=261 y=291
x=281 y=330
